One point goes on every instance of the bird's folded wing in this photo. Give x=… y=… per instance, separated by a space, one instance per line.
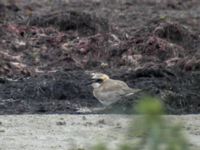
x=114 y=86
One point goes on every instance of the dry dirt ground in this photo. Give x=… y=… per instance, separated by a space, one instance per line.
x=77 y=132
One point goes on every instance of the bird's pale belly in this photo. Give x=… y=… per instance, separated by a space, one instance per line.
x=107 y=98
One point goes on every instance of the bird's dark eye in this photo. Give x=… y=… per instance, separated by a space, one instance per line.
x=98 y=80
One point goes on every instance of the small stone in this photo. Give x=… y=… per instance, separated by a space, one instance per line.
x=84 y=118
x=61 y=123
x=88 y=124
x=101 y=121
x=118 y=125
x=61 y=118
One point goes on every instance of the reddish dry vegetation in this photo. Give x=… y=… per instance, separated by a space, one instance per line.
x=48 y=49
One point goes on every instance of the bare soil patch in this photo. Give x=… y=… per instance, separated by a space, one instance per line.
x=55 y=132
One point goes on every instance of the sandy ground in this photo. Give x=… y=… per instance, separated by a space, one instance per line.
x=63 y=132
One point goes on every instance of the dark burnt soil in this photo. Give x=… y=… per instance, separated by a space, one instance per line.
x=48 y=50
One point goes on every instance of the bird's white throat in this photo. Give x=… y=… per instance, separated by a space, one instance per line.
x=96 y=85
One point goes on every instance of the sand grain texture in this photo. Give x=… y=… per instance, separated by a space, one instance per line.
x=61 y=132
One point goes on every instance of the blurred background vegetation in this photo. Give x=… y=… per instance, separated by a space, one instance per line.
x=153 y=130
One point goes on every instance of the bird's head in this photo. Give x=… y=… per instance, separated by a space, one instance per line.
x=98 y=79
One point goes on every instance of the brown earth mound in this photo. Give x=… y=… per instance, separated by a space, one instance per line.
x=46 y=53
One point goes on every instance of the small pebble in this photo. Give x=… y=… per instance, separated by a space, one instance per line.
x=61 y=123
x=84 y=118
x=2 y=131
x=101 y=121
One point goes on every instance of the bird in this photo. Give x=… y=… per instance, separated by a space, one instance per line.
x=108 y=91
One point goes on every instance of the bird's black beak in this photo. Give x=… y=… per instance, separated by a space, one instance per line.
x=90 y=81
x=94 y=81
